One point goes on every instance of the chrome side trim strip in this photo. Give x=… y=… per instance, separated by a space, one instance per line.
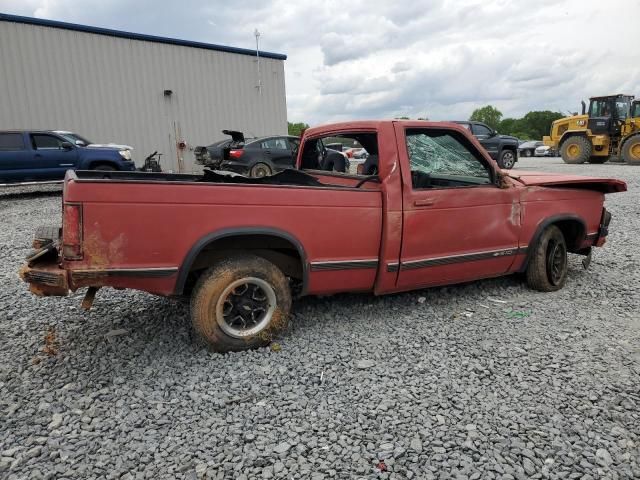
x=448 y=260
x=344 y=265
x=124 y=272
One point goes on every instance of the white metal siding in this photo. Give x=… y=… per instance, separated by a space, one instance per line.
x=111 y=89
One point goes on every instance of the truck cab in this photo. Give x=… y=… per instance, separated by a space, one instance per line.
x=43 y=155
x=607 y=114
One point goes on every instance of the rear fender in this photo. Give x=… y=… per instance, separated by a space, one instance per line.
x=572 y=244
x=200 y=245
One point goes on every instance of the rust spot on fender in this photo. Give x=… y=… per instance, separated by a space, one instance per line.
x=101 y=253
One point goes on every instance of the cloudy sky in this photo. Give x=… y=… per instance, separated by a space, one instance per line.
x=381 y=59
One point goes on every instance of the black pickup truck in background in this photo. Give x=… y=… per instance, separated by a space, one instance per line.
x=502 y=148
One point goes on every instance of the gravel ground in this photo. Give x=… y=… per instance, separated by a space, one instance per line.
x=439 y=383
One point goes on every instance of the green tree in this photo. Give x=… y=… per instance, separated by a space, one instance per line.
x=488 y=114
x=296 y=128
x=538 y=123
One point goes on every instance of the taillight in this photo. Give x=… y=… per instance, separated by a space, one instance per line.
x=72 y=231
x=235 y=153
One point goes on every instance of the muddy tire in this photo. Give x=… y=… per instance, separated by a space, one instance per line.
x=547 y=267
x=631 y=150
x=260 y=170
x=575 y=149
x=507 y=159
x=598 y=160
x=241 y=303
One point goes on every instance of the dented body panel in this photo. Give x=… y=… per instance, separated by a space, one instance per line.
x=151 y=231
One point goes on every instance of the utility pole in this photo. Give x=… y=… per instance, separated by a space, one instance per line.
x=259 y=84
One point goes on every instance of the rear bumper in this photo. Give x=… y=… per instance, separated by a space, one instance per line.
x=42 y=271
x=45 y=278
x=603 y=229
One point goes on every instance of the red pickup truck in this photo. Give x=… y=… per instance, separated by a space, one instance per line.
x=429 y=208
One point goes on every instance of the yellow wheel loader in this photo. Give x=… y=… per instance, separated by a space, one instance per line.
x=609 y=129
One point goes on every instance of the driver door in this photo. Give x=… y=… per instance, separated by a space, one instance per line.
x=51 y=158
x=458 y=225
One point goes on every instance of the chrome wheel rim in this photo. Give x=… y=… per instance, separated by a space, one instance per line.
x=260 y=172
x=245 y=307
x=507 y=160
x=556 y=261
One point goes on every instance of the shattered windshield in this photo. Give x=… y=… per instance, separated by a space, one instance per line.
x=440 y=153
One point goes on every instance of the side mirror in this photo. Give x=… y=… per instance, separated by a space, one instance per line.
x=80 y=143
x=66 y=146
x=493 y=133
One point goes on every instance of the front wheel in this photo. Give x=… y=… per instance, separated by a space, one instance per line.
x=576 y=149
x=260 y=170
x=527 y=153
x=507 y=159
x=548 y=266
x=239 y=304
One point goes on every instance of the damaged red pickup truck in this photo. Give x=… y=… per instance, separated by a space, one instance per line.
x=430 y=208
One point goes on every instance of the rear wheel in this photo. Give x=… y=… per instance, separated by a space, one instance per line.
x=260 y=170
x=547 y=268
x=575 y=149
x=598 y=159
x=631 y=150
x=239 y=304
x=507 y=159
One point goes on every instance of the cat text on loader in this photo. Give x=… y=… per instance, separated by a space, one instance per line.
x=609 y=129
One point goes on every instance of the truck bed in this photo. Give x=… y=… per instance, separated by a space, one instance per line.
x=285 y=177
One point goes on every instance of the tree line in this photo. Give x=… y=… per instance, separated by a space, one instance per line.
x=533 y=126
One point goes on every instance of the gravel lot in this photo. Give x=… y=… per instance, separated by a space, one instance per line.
x=440 y=383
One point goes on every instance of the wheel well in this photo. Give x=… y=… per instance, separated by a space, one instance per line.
x=97 y=163
x=281 y=251
x=573 y=231
x=513 y=148
x=570 y=134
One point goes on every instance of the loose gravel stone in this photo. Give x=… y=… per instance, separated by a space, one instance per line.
x=530 y=385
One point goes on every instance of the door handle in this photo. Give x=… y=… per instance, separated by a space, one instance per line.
x=37 y=155
x=268 y=152
x=424 y=202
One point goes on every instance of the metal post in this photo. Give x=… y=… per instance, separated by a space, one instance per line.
x=257 y=35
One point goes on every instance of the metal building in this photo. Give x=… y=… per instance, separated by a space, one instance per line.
x=152 y=93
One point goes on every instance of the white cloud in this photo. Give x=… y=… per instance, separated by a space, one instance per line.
x=376 y=59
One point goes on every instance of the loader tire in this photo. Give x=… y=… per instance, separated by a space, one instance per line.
x=575 y=149
x=547 y=267
x=631 y=150
x=240 y=303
